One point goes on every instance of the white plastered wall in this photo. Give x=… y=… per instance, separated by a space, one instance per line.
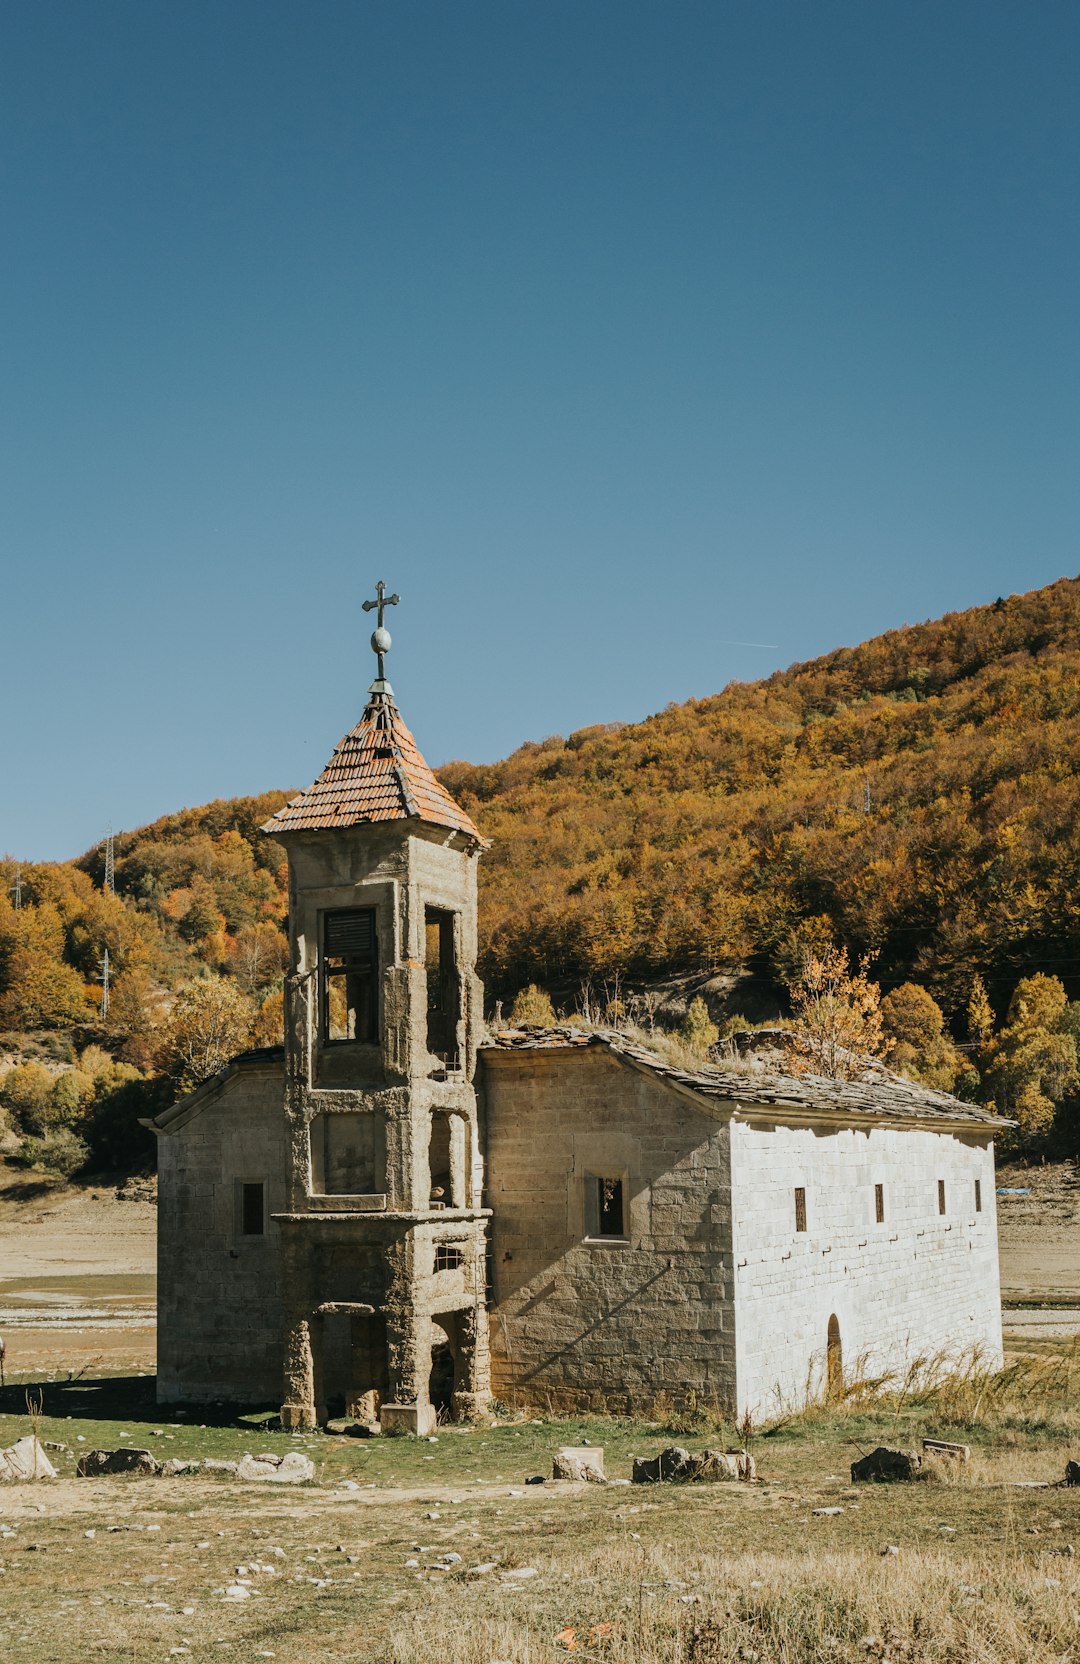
x=920 y=1284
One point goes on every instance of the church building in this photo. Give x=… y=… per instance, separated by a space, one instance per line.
x=399 y=1214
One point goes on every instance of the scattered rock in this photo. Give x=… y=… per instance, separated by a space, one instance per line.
x=677 y=1464
x=947 y=1449
x=210 y=1464
x=885 y=1466
x=575 y=1462
x=294 y=1468
x=824 y=1512
x=727 y=1464
x=175 y=1466
x=26 y=1459
x=128 y=1460
x=890 y=1552
x=345 y=1427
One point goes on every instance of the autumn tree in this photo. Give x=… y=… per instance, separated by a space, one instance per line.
x=209 y=1024
x=698 y=1032
x=1035 y=1065
x=916 y=1040
x=39 y=990
x=837 y=1023
x=256 y=956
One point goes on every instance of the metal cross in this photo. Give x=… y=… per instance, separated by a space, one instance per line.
x=383 y=601
x=380 y=639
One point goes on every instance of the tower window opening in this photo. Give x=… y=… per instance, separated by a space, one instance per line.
x=605 y=1207
x=879 y=1203
x=443 y=986
x=349 y=976
x=800 y=1208
x=252 y=1208
x=941 y=1195
x=978 y=1195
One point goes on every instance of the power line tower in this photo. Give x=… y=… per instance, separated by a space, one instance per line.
x=104 y=983
x=110 y=862
x=16 y=888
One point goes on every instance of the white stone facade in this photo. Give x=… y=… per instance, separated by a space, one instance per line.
x=920 y=1284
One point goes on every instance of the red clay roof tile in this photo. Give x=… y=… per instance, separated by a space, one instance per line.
x=375 y=774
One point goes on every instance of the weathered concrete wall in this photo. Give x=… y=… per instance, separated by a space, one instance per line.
x=916 y=1285
x=584 y=1322
x=220 y=1321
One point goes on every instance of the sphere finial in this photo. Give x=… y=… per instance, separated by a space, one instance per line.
x=381 y=639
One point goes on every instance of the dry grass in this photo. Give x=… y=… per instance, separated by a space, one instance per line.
x=654 y=1608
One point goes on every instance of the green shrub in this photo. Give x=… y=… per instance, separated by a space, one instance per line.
x=60 y=1151
x=532 y=1008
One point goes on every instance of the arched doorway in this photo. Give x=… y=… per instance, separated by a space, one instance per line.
x=834 y=1363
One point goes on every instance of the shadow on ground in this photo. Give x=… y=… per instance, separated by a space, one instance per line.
x=121 y=1397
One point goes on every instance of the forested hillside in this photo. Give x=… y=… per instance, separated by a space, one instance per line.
x=916 y=799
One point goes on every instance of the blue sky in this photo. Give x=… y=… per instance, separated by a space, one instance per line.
x=611 y=334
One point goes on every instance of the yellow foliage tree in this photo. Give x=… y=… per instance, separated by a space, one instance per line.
x=836 y=1015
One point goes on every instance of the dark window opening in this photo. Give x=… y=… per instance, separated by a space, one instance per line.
x=879 y=1203
x=349 y=967
x=448 y=1258
x=441 y=1163
x=443 y=996
x=978 y=1195
x=941 y=1195
x=605 y=1210
x=252 y=1210
x=800 y=1208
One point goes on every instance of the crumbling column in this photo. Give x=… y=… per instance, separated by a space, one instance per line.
x=299 y=1409
x=408 y=1348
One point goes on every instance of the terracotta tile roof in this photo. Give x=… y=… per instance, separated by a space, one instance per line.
x=881 y=1095
x=375 y=774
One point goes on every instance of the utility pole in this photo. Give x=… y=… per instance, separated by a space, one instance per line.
x=16 y=888
x=110 y=861
x=104 y=984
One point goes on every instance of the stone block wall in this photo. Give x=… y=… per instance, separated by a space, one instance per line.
x=918 y=1284
x=220 y=1319
x=592 y=1323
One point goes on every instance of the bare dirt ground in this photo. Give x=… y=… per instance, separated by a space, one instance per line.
x=1039 y=1233
x=77 y=1274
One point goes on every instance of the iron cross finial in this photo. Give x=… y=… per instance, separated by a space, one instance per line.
x=381 y=640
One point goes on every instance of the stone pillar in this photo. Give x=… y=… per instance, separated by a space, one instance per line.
x=408 y=1348
x=299 y=1409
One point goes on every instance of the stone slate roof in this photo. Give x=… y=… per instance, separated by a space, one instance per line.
x=880 y=1095
x=375 y=774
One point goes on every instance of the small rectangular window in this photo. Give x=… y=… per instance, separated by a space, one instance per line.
x=605 y=1209
x=800 y=1208
x=349 y=975
x=252 y=1210
x=879 y=1203
x=941 y=1195
x=448 y=1258
x=978 y=1195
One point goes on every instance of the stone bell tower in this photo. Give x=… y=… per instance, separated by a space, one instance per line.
x=384 y=1238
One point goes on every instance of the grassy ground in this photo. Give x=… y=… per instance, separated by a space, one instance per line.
x=134 y=1569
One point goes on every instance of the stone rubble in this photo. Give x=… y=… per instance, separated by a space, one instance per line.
x=25 y=1459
